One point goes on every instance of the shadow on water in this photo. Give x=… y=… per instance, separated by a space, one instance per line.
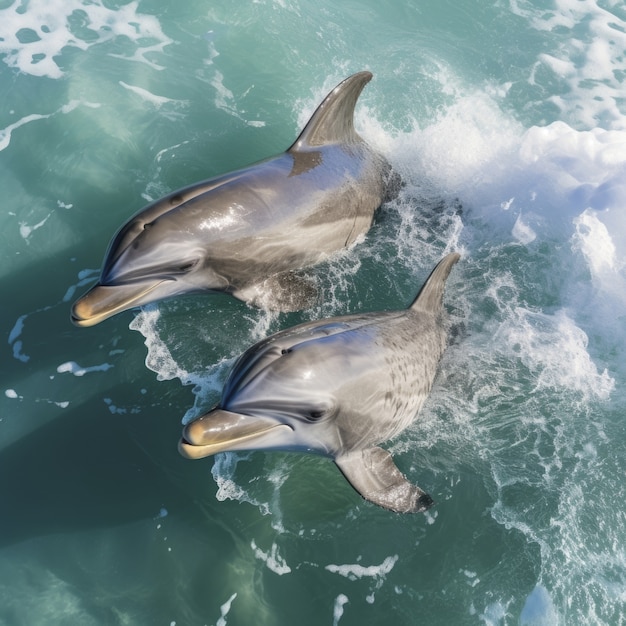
x=90 y=469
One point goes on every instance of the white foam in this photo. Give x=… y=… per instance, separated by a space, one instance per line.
x=593 y=239
x=459 y=148
x=523 y=232
x=73 y=368
x=588 y=58
x=50 y=31
x=11 y=393
x=26 y=230
x=555 y=349
x=225 y=610
x=225 y=100
x=146 y=95
x=223 y=472
x=159 y=358
x=340 y=601
x=272 y=559
x=5 y=133
x=495 y=613
x=472 y=577
x=527 y=186
x=356 y=571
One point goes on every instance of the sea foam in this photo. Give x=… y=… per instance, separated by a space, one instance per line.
x=33 y=40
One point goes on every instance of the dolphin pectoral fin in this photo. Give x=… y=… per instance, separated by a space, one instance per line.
x=375 y=476
x=285 y=292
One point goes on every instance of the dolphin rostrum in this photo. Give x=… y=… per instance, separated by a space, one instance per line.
x=336 y=387
x=248 y=232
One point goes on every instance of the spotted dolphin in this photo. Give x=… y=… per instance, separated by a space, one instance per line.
x=336 y=387
x=249 y=232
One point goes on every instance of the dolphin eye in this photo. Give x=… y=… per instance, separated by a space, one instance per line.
x=316 y=415
x=185 y=267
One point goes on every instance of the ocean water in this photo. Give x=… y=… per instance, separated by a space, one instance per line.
x=507 y=123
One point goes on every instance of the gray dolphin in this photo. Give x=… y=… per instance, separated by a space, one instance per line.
x=248 y=232
x=336 y=387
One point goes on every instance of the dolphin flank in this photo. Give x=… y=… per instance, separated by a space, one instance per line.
x=249 y=232
x=336 y=387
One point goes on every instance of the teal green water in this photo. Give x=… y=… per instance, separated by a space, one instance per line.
x=507 y=122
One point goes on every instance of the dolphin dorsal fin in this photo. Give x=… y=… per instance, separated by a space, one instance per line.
x=430 y=297
x=333 y=120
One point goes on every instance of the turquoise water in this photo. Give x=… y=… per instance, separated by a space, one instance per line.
x=507 y=122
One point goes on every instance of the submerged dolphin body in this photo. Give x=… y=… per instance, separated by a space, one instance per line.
x=337 y=387
x=248 y=232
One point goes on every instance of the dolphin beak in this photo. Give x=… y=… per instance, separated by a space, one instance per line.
x=221 y=431
x=104 y=301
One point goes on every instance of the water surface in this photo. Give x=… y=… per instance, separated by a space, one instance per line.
x=507 y=122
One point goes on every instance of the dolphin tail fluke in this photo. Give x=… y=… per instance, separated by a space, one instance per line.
x=375 y=476
x=430 y=297
x=333 y=120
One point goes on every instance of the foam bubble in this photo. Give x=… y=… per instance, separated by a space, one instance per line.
x=523 y=232
x=495 y=613
x=554 y=348
x=356 y=571
x=159 y=359
x=340 y=601
x=73 y=368
x=225 y=100
x=5 y=133
x=26 y=230
x=5 y=138
x=586 y=58
x=33 y=40
x=262 y=489
x=272 y=559
x=225 y=610
x=594 y=241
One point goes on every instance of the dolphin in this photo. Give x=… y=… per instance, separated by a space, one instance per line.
x=249 y=232
x=337 y=387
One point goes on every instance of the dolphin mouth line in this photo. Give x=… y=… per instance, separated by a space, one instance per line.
x=198 y=451
x=92 y=320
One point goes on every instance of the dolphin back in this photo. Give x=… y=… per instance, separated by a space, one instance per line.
x=430 y=297
x=333 y=120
